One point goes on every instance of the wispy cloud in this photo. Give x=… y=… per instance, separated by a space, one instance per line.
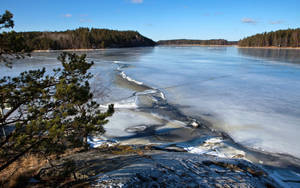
x=68 y=15
x=83 y=15
x=85 y=20
x=137 y=1
x=249 y=21
x=276 y=22
x=149 y=25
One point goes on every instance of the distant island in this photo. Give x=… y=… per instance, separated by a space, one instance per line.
x=81 y=38
x=196 y=42
x=280 y=38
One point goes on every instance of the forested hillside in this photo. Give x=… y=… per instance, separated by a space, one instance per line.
x=280 y=38
x=196 y=42
x=82 y=38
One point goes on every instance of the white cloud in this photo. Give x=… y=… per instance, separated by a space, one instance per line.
x=68 y=15
x=248 y=21
x=137 y=1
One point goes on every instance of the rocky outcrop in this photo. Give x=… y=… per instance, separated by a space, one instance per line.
x=153 y=168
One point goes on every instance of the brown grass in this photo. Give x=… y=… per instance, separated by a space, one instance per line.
x=28 y=166
x=125 y=149
x=18 y=173
x=21 y=170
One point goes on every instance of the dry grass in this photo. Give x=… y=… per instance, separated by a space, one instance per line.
x=123 y=150
x=127 y=150
x=18 y=172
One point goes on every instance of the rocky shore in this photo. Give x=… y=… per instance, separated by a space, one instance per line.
x=128 y=166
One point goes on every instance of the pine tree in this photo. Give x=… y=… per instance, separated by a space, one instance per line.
x=280 y=38
x=48 y=114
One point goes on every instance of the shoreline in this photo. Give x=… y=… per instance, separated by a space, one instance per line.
x=86 y=49
x=96 y=49
x=173 y=45
x=213 y=45
x=68 y=50
x=270 y=47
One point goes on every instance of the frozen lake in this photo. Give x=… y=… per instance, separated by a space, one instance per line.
x=252 y=94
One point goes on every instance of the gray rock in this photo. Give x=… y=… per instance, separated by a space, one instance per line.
x=158 y=168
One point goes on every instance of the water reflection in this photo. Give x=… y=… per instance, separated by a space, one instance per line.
x=114 y=54
x=283 y=55
x=38 y=60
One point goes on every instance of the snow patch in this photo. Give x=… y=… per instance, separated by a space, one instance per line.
x=96 y=142
x=130 y=79
x=214 y=146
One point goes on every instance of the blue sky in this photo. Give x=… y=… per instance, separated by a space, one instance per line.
x=158 y=19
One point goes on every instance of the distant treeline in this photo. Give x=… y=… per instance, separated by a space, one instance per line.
x=82 y=38
x=196 y=42
x=280 y=38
